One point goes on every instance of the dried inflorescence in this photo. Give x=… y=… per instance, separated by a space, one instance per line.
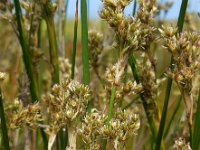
x=95 y=46
x=2 y=76
x=128 y=88
x=122 y=126
x=185 y=50
x=181 y=144
x=65 y=104
x=133 y=34
x=65 y=68
x=148 y=80
x=114 y=73
x=164 y=6
x=89 y=131
x=29 y=115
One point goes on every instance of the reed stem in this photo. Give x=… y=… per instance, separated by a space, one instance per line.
x=75 y=41
x=3 y=124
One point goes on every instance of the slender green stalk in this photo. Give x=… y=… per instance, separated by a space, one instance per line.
x=182 y=15
x=53 y=49
x=111 y=103
x=39 y=36
x=84 y=30
x=196 y=132
x=134 y=7
x=110 y=110
x=151 y=122
x=26 y=56
x=164 y=115
x=3 y=123
x=169 y=83
x=75 y=41
x=173 y=115
x=85 y=53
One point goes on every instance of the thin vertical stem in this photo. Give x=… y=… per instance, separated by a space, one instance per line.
x=26 y=56
x=110 y=110
x=75 y=41
x=85 y=53
x=173 y=115
x=151 y=122
x=169 y=83
x=196 y=132
x=3 y=123
x=134 y=7
x=111 y=103
x=53 y=47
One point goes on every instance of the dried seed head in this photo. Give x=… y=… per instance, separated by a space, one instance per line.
x=65 y=68
x=89 y=131
x=122 y=126
x=66 y=103
x=185 y=50
x=180 y=144
x=95 y=46
x=2 y=76
x=29 y=116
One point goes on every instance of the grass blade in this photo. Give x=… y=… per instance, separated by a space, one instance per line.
x=85 y=53
x=169 y=83
x=84 y=34
x=182 y=15
x=75 y=41
x=26 y=56
x=110 y=110
x=196 y=132
x=53 y=49
x=134 y=7
x=3 y=123
x=111 y=103
x=173 y=115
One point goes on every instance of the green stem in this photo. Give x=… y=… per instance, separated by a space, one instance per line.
x=134 y=7
x=3 y=123
x=173 y=115
x=151 y=122
x=84 y=35
x=169 y=83
x=110 y=110
x=182 y=15
x=164 y=115
x=75 y=41
x=26 y=56
x=53 y=49
x=85 y=53
x=196 y=132
x=111 y=104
